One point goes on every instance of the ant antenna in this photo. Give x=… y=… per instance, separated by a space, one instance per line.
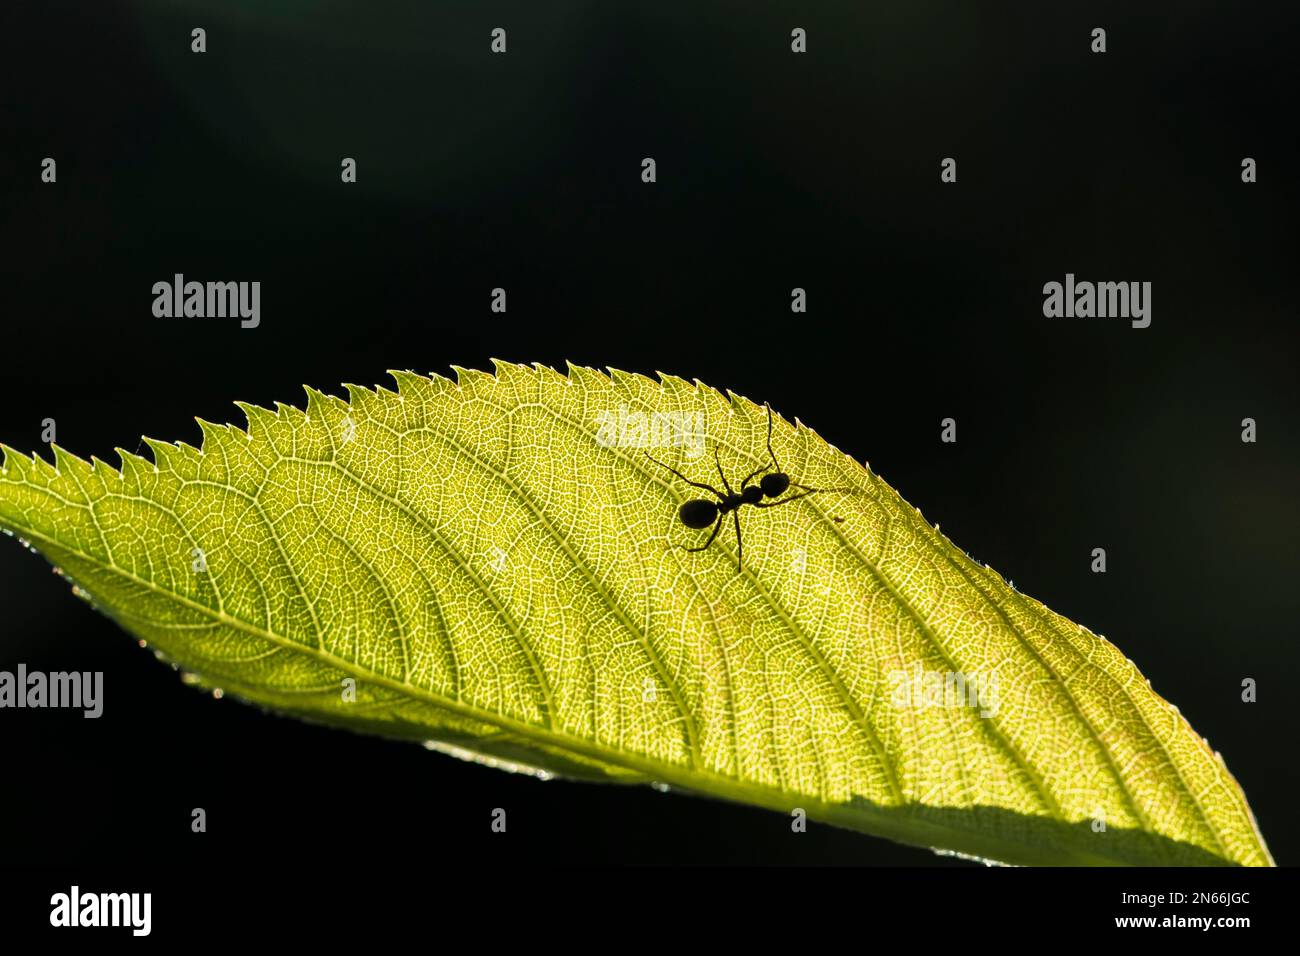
x=769 y=438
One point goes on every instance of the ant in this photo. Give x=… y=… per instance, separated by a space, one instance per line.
x=699 y=513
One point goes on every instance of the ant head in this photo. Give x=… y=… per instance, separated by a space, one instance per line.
x=774 y=485
x=752 y=495
x=698 y=513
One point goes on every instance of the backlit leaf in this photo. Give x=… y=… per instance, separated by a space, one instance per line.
x=493 y=565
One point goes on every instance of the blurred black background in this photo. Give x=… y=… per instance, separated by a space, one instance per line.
x=775 y=170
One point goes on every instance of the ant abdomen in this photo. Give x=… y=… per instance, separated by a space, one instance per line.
x=698 y=513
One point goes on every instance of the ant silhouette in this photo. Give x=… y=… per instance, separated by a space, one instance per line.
x=699 y=513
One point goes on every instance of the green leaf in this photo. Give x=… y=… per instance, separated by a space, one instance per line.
x=497 y=568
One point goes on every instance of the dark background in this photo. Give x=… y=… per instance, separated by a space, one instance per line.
x=775 y=171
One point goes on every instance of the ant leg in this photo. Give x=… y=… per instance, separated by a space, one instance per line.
x=740 y=545
x=766 y=468
x=683 y=477
x=718 y=462
x=717 y=526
